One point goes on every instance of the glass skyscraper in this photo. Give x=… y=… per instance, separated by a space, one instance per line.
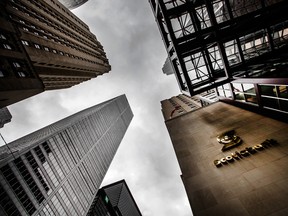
x=114 y=200
x=58 y=169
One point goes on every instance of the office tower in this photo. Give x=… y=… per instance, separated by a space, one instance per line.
x=58 y=169
x=237 y=47
x=72 y=4
x=249 y=178
x=44 y=46
x=181 y=104
x=5 y=116
x=167 y=67
x=114 y=199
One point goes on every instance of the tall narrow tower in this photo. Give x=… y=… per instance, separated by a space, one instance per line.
x=58 y=169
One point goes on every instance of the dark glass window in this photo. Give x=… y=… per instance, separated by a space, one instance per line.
x=18 y=189
x=270 y=102
x=40 y=154
x=284 y=105
x=35 y=168
x=29 y=180
x=7 y=204
x=46 y=147
x=268 y=90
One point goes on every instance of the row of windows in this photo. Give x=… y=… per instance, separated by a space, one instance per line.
x=18 y=189
x=54 y=25
x=19 y=68
x=7 y=204
x=49 y=36
x=47 y=49
x=29 y=180
x=65 y=20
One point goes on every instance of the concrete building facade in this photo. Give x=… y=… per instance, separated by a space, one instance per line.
x=249 y=179
x=44 y=46
x=181 y=104
x=58 y=169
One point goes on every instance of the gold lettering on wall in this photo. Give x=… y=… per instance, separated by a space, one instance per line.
x=237 y=155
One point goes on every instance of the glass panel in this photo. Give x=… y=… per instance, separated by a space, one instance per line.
x=270 y=102
x=268 y=90
x=283 y=91
x=283 y=105
x=182 y=25
x=239 y=96
x=251 y=99
x=249 y=88
x=237 y=87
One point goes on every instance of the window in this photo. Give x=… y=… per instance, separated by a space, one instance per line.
x=46 y=49
x=21 y=74
x=29 y=180
x=37 y=46
x=18 y=189
x=16 y=65
x=26 y=43
x=2 y=37
x=7 y=46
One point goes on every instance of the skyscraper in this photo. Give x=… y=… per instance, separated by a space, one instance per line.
x=114 y=199
x=237 y=47
x=58 y=169
x=72 y=4
x=5 y=116
x=44 y=46
x=181 y=104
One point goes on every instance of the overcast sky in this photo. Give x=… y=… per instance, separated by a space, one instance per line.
x=145 y=158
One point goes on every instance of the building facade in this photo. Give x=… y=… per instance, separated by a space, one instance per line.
x=44 y=46
x=115 y=200
x=181 y=104
x=249 y=179
x=5 y=116
x=58 y=169
x=72 y=4
x=237 y=47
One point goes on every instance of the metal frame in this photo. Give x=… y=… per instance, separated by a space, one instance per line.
x=211 y=42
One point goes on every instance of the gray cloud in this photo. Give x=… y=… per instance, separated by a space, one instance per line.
x=145 y=158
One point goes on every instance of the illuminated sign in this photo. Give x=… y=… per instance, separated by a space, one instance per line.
x=229 y=139
x=237 y=155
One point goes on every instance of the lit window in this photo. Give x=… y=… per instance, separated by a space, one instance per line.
x=36 y=33
x=44 y=36
x=37 y=46
x=2 y=37
x=54 y=51
x=61 y=53
x=21 y=21
x=26 y=43
x=46 y=49
x=1 y=73
x=16 y=65
x=7 y=46
x=21 y=74
x=25 y=29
